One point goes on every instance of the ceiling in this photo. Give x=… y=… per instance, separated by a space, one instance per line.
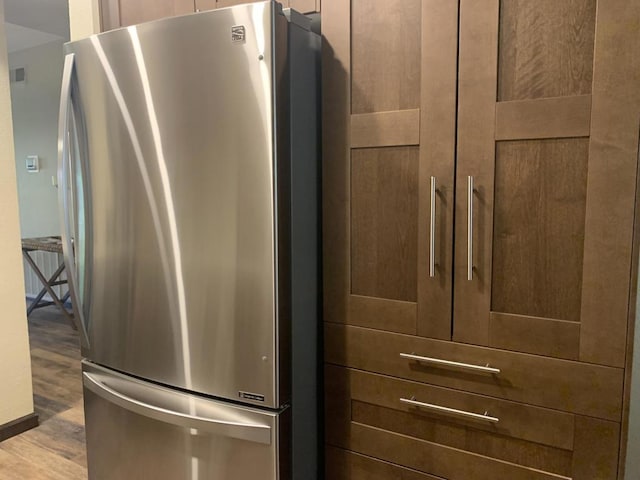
x=34 y=22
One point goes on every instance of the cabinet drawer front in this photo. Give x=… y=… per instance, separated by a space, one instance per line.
x=515 y=420
x=568 y=386
x=345 y=465
x=365 y=415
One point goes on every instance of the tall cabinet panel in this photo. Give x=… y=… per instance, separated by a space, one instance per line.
x=372 y=236
x=489 y=345
x=396 y=124
x=546 y=169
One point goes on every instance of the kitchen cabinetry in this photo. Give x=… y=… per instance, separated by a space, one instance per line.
x=554 y=160
x=122 y=13
x=480 y=165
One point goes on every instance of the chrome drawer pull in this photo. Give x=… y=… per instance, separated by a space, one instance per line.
x=452 y=411
x=469 y=227
x=432 y=230
x=449 y=363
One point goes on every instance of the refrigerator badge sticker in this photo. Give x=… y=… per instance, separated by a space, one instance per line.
x=251 y=396
x=237 y=33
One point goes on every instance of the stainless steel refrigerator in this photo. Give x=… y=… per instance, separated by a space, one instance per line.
x=188 y=182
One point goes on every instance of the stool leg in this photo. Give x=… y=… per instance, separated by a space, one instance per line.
x=46 y=285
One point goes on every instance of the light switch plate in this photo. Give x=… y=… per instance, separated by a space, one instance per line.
x=33 y=164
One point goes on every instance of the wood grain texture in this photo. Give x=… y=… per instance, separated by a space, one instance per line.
x=429 y=457
x=364 y=415
x=305 y=6
x=541 y=336
x=55 y=450
x=611 y=187
x=382 y=314
x=456 y=433
x=585 y=389
x=546 y=48
x=538 y=239
x=385 y=129
x=384 y=210
x=344 y=465
x=133 y=12
x=518 y=421
x=202 y=5
x=477 y=83
x=336 y=166
x=385 y=46
x=596 y=449
x=437 y=158
x=544 y=118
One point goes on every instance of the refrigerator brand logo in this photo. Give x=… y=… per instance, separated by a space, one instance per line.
x=251 y=396
x=237 y=33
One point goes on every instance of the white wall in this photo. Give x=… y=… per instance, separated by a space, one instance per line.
x=35 y=106
x=84 y=18
x=16 y=398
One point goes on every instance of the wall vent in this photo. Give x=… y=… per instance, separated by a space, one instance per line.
x=18 y=75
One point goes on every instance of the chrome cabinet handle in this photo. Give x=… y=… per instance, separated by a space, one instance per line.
x=245 y=431
x=449 y=363
x=452 y=411
x=469 y=227
x=63 y=195
x=432 y=230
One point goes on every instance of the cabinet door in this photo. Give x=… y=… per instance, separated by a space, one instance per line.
x=122 y=13
x=389 y=124
x=231 y=3
x=548 y=133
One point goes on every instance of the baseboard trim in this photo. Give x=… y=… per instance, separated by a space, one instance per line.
x=18 y=426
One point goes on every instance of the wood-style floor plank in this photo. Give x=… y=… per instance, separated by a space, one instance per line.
x=55 y=450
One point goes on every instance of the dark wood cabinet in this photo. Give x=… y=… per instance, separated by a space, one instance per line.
x=480 y=166
x=553 y=157
x=123 y=13
x=202 y=5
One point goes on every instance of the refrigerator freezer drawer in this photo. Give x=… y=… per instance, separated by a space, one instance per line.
x=174 y=435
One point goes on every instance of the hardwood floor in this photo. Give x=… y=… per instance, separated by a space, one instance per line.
x=54 y=450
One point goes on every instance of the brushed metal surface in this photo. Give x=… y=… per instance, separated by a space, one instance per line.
x=184 y=267
x=192 y=438
x=73 y=198
x=450 y=363
x=485 y=417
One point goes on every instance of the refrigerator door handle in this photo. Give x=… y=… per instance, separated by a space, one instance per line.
x=64 y=201
x=235 y=429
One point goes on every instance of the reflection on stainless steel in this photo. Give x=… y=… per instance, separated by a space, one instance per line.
x=199 y=162
x=163 y=437
x=171 y=216
x=176 y=408
x=64 y=159
x=190 y=153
